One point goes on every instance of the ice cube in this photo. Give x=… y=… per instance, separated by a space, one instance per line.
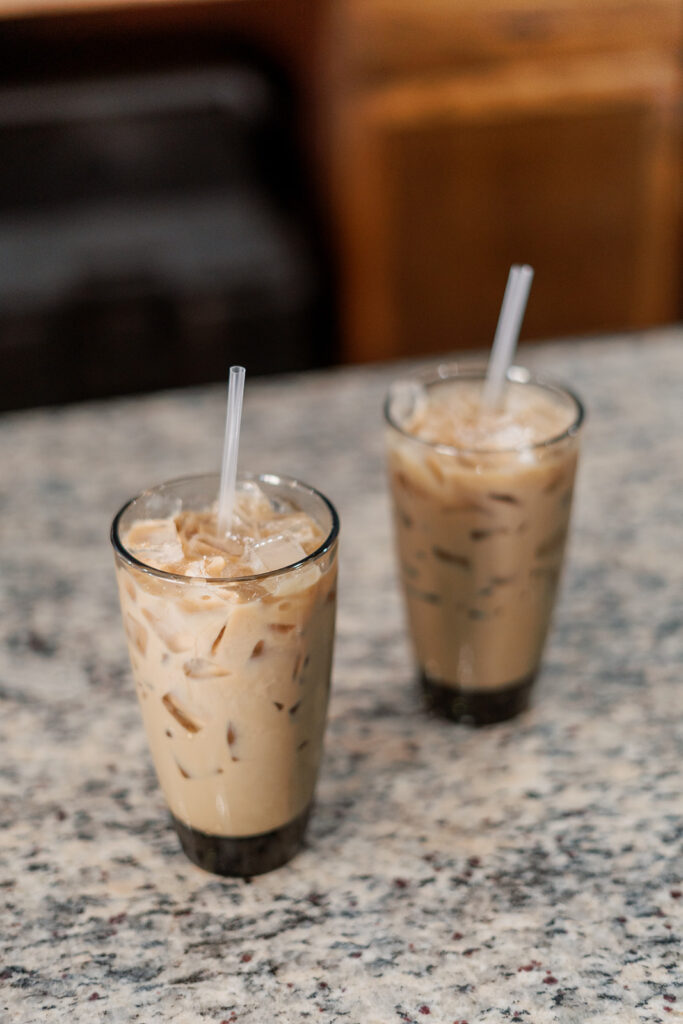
x=169 y=632
x=197 y=547
x=183 y=716
x=277 y=552
x=408 y=398
x=298 y=526
x=202 y=668
x=196 y=568
x=251 y=505
x=296 y=582
x=137 y=633
x=215 y=566
x=229 y=544
x=155 y=542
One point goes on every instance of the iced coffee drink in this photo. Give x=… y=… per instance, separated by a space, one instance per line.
x=230 y=639
x=482 y=501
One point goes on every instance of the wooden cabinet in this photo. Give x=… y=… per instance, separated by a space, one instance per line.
x=452 y=138
x=467 y=136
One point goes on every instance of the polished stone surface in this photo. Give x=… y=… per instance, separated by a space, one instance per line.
x=528 y=872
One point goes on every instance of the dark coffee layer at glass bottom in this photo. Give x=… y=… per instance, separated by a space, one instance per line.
x=243 y=855
x=477 y=707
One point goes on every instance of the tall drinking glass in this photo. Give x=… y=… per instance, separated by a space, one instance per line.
x=481 y=502
x=232 y=675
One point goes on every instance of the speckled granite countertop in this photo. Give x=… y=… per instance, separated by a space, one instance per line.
x=526 y=873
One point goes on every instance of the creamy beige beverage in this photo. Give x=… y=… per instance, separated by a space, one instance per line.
x=230 y=639
x=482 y=501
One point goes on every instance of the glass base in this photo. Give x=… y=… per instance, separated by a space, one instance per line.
x=242 y=856
x=477 y=707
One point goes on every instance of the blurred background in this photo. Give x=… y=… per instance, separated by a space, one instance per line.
x=295 y=183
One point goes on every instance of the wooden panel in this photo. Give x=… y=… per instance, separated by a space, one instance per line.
x=389 y=37
x=39 y=8
x=443 y=184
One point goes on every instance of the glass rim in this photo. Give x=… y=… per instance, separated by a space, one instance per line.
x=272 y=478
x=475 y=371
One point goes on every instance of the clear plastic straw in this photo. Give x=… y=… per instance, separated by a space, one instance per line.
x=226 y=498
x=507 y=333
